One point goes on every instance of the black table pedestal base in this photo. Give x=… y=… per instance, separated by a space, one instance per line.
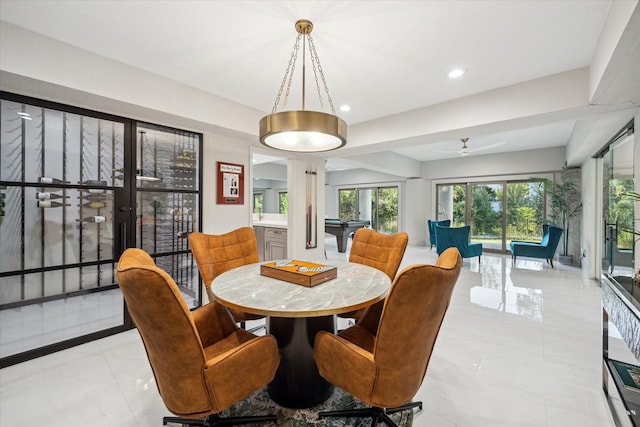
x=297 y=383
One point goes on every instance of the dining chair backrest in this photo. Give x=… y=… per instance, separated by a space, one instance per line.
x=201 y=361
x=385 y=366
x=215 y=254
x=378 y=250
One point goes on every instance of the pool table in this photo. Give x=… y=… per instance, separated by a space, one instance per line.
x=342 y=229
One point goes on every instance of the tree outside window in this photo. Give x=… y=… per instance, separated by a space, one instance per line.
x=283 y=203
x=257 y=203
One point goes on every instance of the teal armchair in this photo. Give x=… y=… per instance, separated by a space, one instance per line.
x=546 y=248
x=457 y=237
x=432 y=229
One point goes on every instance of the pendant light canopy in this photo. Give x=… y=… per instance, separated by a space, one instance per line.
x=302 y=130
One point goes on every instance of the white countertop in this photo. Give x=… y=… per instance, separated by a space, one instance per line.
x=273 y=224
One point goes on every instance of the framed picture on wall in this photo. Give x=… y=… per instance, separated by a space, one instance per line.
x=230 y=189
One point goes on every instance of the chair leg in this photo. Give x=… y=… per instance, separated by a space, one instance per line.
x=215 y=420
x=374 y=412
x=183 y=421
x=550 y=261
x=256 y=328
x=409 y=405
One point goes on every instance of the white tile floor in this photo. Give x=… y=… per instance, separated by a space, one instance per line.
x=520 y=346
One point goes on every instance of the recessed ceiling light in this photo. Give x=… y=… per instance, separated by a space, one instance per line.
x=25 y=116
x=345 y=107
x=455 y=73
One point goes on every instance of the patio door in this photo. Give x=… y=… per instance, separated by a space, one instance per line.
x=379 y=205
x=497 y=212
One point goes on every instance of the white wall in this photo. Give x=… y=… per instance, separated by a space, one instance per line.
x=32 y=55
x=414 y=210
x=218 y=219
x=590 y=243
x=516 y=162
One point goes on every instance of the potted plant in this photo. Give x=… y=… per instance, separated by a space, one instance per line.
x=564 y=205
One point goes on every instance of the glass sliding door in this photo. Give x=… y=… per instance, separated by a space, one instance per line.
x=366 y=204
x=487 y=215
x=379 y=205
x=451 y=203
x=497 y=212
x=525 y=211
x=618 y=210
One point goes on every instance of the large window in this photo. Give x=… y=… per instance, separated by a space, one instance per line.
x=497 y=212
x=379 y=205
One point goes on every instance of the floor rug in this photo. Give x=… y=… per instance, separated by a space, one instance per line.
x=259 y=403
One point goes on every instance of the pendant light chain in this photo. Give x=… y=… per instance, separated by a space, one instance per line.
x=288 y=73
x=314 y=55
x=301 y=130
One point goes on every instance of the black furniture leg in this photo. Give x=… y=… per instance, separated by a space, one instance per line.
x=298 y=383
x=373 y=412
x=216 y=420
x=342 y=242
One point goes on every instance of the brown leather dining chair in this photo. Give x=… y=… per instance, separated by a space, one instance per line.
x=215 y=254
x=384 y=366
x=377 y=250
x=202 y=362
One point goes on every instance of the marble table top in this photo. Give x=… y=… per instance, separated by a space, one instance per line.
x=357 y=286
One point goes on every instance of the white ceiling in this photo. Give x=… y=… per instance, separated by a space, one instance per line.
x=383 y=58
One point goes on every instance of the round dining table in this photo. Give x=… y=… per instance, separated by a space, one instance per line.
x=295 y=313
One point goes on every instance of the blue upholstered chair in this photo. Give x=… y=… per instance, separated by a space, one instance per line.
x=457 y=237
x=432 y=229
x=545 y=249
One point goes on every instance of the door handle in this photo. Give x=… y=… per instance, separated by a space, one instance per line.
x=123 y=237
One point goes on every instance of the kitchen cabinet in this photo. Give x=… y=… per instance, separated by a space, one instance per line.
x=272 y=242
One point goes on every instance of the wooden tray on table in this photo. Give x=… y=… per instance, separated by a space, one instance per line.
x=299 y=272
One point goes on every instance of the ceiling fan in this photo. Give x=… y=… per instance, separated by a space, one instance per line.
x=465 y=151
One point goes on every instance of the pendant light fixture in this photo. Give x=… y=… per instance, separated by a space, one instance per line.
x=303 y=130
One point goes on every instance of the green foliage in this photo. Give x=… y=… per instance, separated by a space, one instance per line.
x=257 y=202
x=525 y=210
x=459 y=201
x=347 y=204
x=388 y=209
x=283 y=203
x=621 y=212
x=564 y=202
x=621 y=201
x=486 y=210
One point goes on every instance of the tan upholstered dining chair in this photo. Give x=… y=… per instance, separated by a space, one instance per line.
x=384 y=366
x=377 y=250
x=202 y=362
x=215 y=254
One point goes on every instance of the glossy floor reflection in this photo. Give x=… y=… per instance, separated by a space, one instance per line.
x=520 y=346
